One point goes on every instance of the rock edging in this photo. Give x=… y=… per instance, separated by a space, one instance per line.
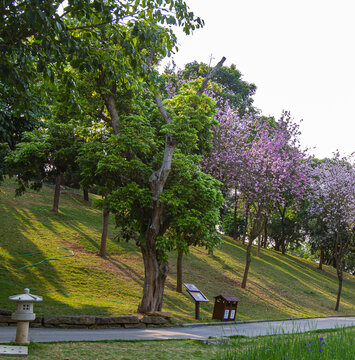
x=93 y=322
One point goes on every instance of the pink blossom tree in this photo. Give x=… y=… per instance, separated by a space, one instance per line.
x=333 y=201
x=295 y=177
x=226 y=156
x=261 y=160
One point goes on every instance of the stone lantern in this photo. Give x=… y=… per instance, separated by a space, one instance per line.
x=24 y=314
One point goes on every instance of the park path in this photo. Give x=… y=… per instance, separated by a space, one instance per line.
x=197 y=332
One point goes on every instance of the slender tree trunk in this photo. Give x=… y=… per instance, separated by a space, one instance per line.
x=283 y=241
x=86 y=194
x=247 y=264
x=320 y=266
x=255 y=229
x=339 y=264
x=245 y=230
x=340 y=285
x=265 y=233
x=58 y=181
x=106 y=215
x=179 y=272
x=259 y=245
x=235 y=215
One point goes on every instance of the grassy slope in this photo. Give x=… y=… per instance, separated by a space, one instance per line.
x=278 y=286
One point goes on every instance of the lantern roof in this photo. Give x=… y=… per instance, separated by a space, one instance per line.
x=26 y=296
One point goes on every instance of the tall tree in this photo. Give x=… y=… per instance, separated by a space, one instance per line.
x=260 y=160
x=44 y=154
x=192 y=200
x=333 y=200
x=191 y=110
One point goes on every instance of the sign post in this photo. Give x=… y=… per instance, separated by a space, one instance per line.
x=198 y=296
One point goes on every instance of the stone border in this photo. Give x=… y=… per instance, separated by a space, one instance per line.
x=92 y=322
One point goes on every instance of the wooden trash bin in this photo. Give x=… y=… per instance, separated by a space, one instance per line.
x=225 y=307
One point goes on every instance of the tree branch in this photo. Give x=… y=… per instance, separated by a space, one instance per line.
x=162 y=110
x=88 y=26
x=210 y=75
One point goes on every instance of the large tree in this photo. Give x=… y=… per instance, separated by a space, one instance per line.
x=192 y=110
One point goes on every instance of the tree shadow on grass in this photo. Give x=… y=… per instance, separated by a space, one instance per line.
x=285 y=286
x=19 y=269
x=18 y=226
x=127 y=270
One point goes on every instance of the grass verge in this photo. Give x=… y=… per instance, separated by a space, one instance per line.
x=279 y=286
x=334 y=345
x=326 y=345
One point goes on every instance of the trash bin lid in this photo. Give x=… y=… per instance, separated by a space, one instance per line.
x=228 y=298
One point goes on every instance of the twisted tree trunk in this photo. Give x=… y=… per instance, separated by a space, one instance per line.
x=155 y=268
x=155 y=273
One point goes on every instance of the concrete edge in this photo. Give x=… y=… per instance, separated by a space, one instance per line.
x=261 y=321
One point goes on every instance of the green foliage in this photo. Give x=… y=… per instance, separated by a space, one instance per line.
x=110 y=40
x=293 y=227
x=192 y=200
x=228 y=223
x=119 y=166
x=237 y=91
x=192 y=116
x=4 y=150
x=47 y=151
x=13 y=122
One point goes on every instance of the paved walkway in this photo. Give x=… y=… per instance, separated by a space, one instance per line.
x=7 y=334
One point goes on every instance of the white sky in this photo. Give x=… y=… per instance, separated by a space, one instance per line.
x=299 y=53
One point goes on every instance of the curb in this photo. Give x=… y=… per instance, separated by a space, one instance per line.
x=261 y=321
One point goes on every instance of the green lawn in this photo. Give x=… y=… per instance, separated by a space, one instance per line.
x=278 y=286
x=334 y=344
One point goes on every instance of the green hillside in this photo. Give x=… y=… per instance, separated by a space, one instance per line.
x=278 y=287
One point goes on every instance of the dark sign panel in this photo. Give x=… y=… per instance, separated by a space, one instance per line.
x=191 y=287
x=198 y=296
